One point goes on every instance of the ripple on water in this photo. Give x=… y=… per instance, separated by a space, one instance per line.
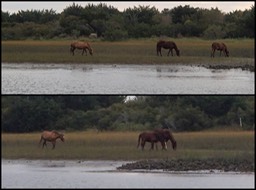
x=123 y=79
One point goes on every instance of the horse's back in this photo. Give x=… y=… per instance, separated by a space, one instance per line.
x=215 y=45
x=219 y=46
x=148 y=136
x=79 y=44
x=224 y=46
x=166 y=44
x=49 y=134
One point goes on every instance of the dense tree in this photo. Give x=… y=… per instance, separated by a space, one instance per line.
x=142 y=21
x=181 y=113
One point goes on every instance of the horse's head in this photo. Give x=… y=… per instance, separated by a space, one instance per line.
x=174 y=145
x=90 y=51
x=62 y=137
x=178 y=52
x=169 y=136
x=227 y=53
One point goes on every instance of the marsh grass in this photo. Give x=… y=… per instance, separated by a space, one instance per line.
x=123 y=146
x=142 y=51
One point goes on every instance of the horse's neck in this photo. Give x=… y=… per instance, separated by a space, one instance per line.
x=175 y=47
x=88 y=47
x=56 y=134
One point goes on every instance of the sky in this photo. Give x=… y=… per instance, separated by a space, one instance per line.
x=224 y=6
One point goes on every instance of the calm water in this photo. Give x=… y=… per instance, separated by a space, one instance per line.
x=123 y=79
x=103 y=174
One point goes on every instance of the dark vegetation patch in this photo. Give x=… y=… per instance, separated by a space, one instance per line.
x=245 y=165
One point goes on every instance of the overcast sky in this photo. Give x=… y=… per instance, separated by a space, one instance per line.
x=224 y=6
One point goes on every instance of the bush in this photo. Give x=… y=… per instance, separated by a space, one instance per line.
x=115 y=35
x=214 y=32
x=191 y=119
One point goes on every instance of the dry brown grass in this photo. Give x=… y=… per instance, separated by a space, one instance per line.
x=123 y=146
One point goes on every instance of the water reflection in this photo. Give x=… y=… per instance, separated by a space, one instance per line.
x=103 y=174
x=123 y=79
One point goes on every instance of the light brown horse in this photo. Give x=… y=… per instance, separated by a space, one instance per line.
x=220 y=47
x=167 y=45
x=152 y=137
x=51 y=136
x=81 y=46
x=167 y=135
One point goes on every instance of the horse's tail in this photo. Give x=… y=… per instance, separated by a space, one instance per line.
x=139 y=141
x=157 y=49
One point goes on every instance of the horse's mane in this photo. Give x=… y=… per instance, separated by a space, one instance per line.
x=175 y=46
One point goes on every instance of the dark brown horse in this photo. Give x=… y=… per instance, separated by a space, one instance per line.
x=167 y=45
x=51 y=136
x=220 y=47
x=167 y=135
x=81 y=46
x=152 y=137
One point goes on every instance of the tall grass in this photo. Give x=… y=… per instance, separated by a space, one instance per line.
x=123 y=146
x=192 y=50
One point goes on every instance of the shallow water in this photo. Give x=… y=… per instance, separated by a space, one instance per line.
x=103 y=174
x=123 y=79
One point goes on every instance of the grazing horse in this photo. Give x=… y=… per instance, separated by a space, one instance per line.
x=167 y=45
x=82 y=46
x=51 y=136
x=151 y=137
x=220 y=47
x=167 y=135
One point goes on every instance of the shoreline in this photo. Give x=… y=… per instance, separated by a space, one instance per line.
x=210 y=165
x=222 y=66
x=244 y=67
x=181 y=166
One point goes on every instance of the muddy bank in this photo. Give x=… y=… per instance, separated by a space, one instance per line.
x=187 y=165
x=245 y=67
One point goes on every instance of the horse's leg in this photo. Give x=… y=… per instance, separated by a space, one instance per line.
x=44 y=144
x=73 y=50
x=142 y=144
x=171 y=52
x=160 y=51
x=40 y=141
x=164 y=146
x=152 y=145
x=213 y=51
x=168 y=52
x=226 y=52
x=53 y=144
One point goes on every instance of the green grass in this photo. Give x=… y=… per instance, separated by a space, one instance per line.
x=142 y=51
x=123 y=146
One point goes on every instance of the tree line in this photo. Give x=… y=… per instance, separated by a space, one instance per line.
x=110 y=24
x=114 y=113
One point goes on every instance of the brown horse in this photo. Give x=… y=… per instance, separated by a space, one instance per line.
x=152 y=137
x=167 y=45
x=220 y=47
x=167 y=135
x=82 y=46
x=51 y=136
